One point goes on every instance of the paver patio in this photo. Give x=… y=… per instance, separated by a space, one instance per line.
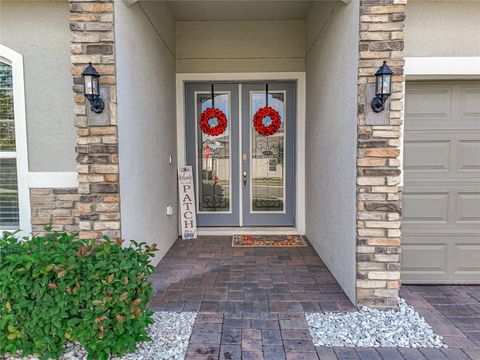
x=252 y=303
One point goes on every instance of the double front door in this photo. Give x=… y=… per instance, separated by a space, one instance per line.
x=244 y=172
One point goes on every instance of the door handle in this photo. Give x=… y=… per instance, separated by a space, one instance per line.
x=244 y=178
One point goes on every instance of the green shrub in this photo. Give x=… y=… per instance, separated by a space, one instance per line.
x=58 y=288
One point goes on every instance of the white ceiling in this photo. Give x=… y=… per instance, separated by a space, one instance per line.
x=235 y=10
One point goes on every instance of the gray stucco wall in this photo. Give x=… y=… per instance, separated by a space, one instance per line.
x=240 y=46
x=331 y=109
x=442 y=28
x=40 y=32
x=147 y=128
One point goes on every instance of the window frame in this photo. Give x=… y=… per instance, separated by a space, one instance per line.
x=15 y=60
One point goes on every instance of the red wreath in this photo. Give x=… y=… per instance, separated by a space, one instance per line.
x=274 y=125
x=211 y=113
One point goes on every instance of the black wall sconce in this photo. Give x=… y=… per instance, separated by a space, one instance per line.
x=91 y=88
x=383 y=87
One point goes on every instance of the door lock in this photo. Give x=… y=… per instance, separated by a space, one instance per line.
x=244 y=178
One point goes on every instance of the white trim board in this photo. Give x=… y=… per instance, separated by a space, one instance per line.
x=52 y=180
x=425 y=68
x=15 y=59
x=299 y=77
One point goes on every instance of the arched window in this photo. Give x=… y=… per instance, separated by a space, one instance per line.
x=14 y=193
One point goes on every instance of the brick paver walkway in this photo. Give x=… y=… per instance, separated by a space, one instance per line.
x=209 y=275
x=252 y=304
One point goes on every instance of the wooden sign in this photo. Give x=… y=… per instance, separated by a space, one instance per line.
x=188 y=216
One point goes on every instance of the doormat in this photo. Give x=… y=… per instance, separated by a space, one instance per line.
x=268 y=241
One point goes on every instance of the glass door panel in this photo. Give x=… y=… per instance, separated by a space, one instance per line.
x=268 y=161
x=214 y=158
x=267 y=189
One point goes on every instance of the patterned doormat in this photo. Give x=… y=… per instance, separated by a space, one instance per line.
x=268 y=241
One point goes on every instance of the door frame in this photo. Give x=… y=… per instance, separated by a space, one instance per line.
x=299 y=78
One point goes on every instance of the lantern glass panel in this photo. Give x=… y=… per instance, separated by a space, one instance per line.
x=386 y=85
x=91 y=85
x=95 y=85
x=88 y=83
x=379 y=85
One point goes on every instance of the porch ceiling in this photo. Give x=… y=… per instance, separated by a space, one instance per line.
x=235 y=10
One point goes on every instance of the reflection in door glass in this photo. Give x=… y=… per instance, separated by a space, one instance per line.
x=267 y=157
x=213 y=158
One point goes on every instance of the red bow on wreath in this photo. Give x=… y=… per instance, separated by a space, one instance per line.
x=211 y=113
x=274 y=125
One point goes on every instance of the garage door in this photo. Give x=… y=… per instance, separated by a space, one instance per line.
x=441 y=223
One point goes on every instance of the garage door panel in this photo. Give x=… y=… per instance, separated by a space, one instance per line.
x=425 y=155
x=452 y=153
x=468 y=208
x=448 y=207
x=469 y=100
x=421 y=207
x=467 y=258
x=441 y=201
x=436 y=259
x=424 y=256
x=469 y=156
x=422 y=104
x=442 y=105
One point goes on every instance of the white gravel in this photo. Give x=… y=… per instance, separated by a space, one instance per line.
x=169 y=336
x=373 y=328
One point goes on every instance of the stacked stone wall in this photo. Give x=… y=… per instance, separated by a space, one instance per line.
x=378 y=155
x=55 y=207
x=93 y=40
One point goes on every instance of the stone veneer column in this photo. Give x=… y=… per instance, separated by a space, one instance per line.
x=378 y=155
x=98 y=209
